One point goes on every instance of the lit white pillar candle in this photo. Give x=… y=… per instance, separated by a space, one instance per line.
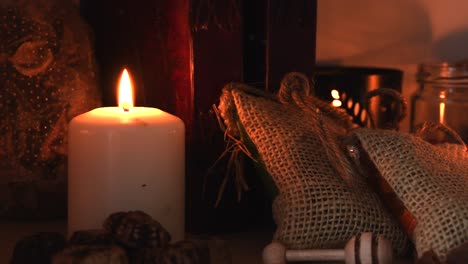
x=126 y=158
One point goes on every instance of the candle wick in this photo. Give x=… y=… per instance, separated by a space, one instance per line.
x=126 y=109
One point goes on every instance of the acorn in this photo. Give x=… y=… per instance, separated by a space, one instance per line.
x=38 y=248
x=91 y=254
x=92 y=237
x=182 y=252
x=136 y=229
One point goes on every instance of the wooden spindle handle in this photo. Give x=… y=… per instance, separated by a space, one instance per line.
x=370 y=248
x=315 y=255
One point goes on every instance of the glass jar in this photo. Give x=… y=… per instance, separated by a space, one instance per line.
x=442 y=96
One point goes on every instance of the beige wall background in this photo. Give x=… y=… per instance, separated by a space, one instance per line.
x=397 y=34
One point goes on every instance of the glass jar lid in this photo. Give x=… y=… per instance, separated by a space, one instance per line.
x=443 y=72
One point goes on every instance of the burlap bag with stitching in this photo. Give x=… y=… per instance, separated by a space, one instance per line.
x=321 y=203
x=430 y=180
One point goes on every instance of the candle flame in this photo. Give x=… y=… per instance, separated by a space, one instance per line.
x=336 y=103
x=335 y=94
x=442 y=113
x=125 y=91
x=442 y=108
x=336 y=98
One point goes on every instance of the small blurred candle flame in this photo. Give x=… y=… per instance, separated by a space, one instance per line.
x=442 y=108
x=336 y=98
x=125 y=91
x=335 y=94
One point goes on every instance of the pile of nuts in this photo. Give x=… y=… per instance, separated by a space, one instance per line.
x=126 y=237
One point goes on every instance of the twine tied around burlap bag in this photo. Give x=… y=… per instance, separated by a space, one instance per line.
x=321 y=202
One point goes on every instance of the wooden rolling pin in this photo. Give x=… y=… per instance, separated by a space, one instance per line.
x=365 y=249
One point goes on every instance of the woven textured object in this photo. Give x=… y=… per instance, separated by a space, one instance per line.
x=321 y=202
x=430 y=180
x=48 y=76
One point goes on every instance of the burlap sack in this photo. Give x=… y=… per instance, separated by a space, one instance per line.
x=431 y=181
x=321 y=202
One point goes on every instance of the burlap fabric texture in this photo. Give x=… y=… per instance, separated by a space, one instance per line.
x=430 y=180
x=321 y=201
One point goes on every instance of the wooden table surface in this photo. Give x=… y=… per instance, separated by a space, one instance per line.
x=245 y=247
